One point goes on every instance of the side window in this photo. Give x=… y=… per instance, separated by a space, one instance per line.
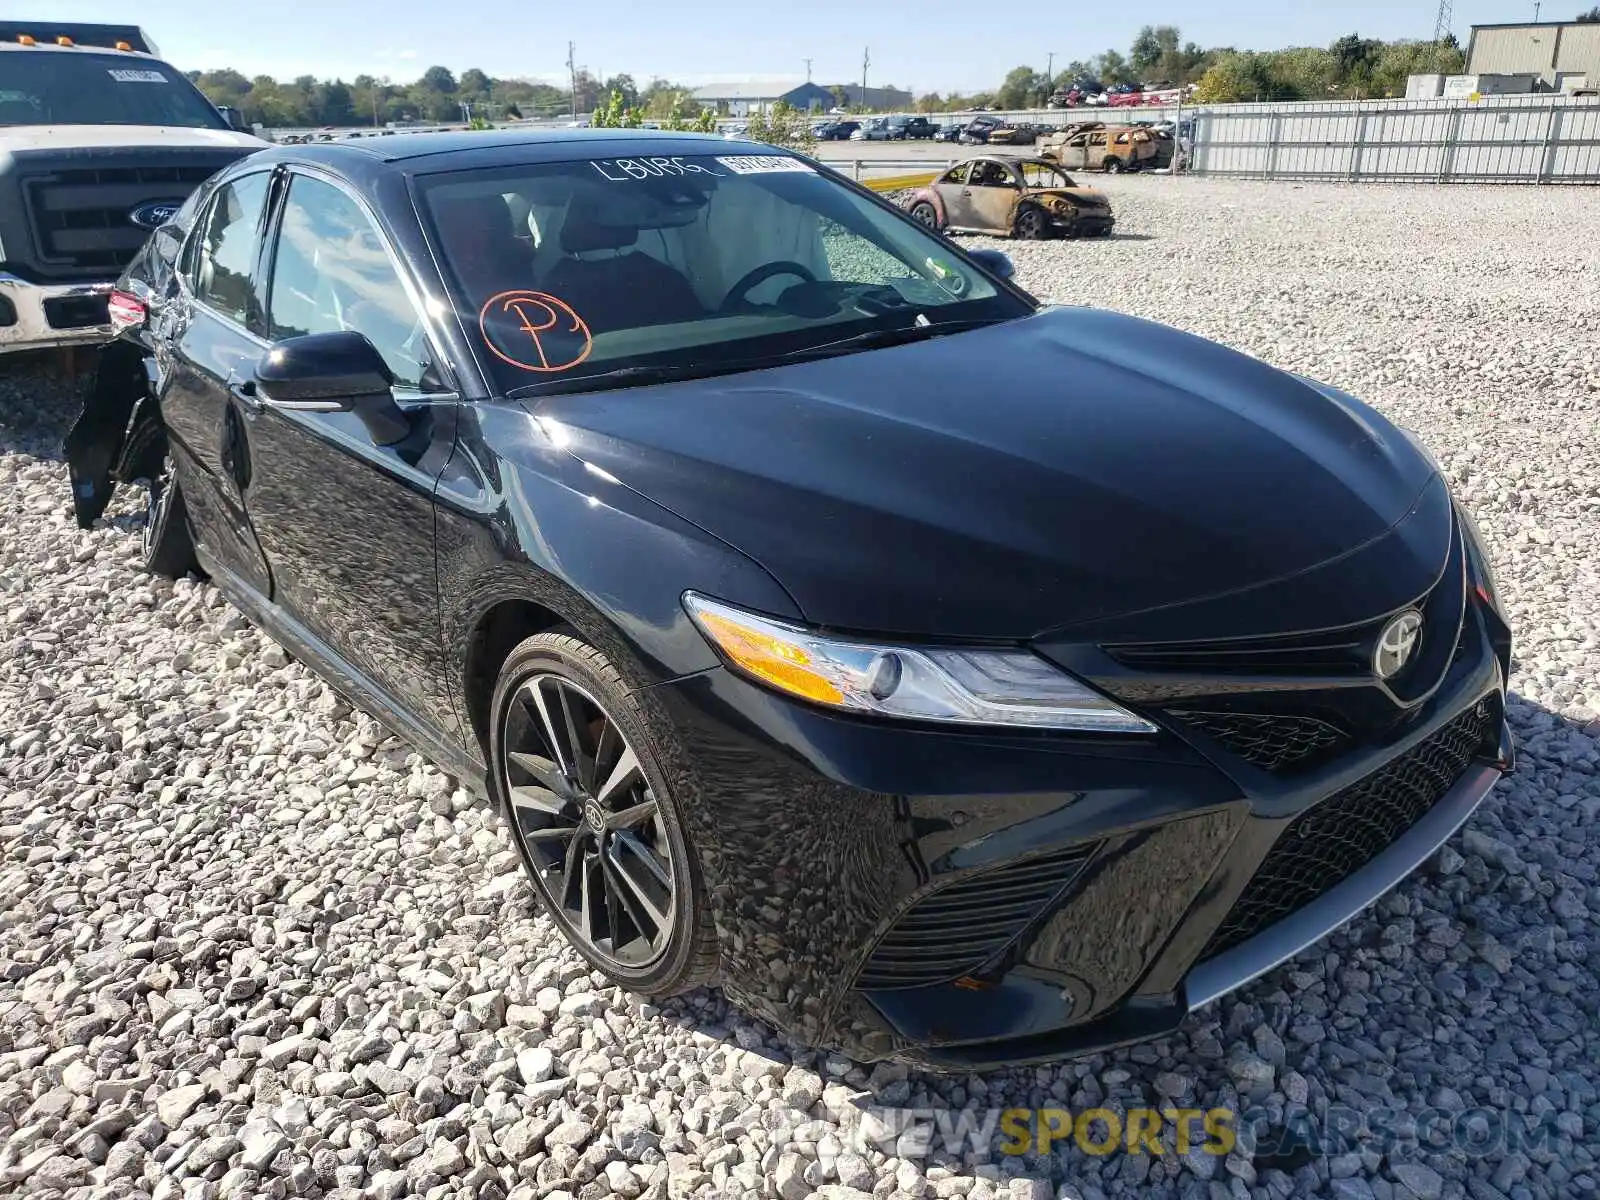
x=221 y=256
x=956 y=174
x=331 y=272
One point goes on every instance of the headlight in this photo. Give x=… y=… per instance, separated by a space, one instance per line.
x=976 y=686
x=1473 y=536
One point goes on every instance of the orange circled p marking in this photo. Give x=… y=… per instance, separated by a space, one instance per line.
x=534 y=314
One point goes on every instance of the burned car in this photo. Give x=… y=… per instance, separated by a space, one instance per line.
x=948 y=675
x=1092 y=146
x=1008 y=196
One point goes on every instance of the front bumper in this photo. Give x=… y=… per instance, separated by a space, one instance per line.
x=1084 y=224
x=37 y=316
x=973 y=901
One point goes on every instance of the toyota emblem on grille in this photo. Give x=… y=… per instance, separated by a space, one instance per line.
x=1395 y=644
x=155 y=214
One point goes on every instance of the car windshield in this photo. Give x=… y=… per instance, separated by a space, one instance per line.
x=570 y=271
x=1043 y=175
x=74 y=87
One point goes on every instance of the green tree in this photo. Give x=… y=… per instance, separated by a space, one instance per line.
x=624 y=86
x=1020 y=88
x=438 y=79
x=1592 y=17
x=782 y=125
x=1111 y=68
x=616 y=113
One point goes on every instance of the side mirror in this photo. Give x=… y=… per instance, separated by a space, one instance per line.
x=995 y=262
x=333 y=372
x=235 y=119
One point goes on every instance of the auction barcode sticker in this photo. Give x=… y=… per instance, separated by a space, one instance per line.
x=124 y=75
x=761 y=164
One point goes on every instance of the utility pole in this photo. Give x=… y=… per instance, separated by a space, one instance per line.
x=1441 y=29
x=1535 y=12
x=572 y=77
x=1050 y=71
x=866 y=61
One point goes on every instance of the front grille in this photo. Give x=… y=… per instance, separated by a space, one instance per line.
x=1275 y=742
x=955 y=930
x=1328 y=843
x=1330 y=652
x=80 y=216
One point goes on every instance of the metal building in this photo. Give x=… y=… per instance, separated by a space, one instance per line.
x=1563 y=54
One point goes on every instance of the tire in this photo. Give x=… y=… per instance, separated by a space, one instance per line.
x=1031 y=224
x=644 y=933
x=166 y=548
x=924 y=213
x=1113 y=166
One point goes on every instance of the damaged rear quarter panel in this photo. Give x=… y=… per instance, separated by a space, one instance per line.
x=118 y=436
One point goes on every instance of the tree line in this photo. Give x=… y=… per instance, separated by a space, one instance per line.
x=437 y=96
x=1351 y=68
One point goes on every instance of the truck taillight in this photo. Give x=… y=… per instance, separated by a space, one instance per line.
x=127 y=311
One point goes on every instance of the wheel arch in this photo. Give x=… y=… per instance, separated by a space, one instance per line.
x=931 y=196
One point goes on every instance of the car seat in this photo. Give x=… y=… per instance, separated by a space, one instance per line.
x=617 y=290
x=480 y=241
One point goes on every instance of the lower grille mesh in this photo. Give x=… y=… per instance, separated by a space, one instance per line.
x=1272 y=741
x=957 y=929
x=1327 y=844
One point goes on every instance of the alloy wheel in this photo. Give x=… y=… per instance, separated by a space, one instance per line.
x=589 y=822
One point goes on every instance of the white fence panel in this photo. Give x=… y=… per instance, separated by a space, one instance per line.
x=1501 y=139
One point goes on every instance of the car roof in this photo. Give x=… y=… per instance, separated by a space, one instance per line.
x=529 y=145
x=364 y=160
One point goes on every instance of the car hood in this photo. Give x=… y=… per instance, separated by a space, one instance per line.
x=93 y=137
x=1058 y=469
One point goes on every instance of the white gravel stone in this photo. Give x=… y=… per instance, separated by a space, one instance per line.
x=254 y=945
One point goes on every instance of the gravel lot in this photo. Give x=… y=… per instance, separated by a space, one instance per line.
x=251 y=946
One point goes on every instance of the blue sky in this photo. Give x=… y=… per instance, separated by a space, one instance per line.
x=925 y=45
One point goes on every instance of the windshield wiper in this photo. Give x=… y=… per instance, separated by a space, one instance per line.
x=898 y=336
x=643 y=376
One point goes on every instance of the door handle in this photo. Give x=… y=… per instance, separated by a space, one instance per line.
x=966 y=191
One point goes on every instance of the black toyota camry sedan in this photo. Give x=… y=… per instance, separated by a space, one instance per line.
x=946 y=675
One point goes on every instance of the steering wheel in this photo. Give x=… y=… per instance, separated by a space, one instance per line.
x=760 y=275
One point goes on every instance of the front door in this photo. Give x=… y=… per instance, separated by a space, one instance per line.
x=992 y=190
x=346 y=524
x=953 y=194
x=213 y=329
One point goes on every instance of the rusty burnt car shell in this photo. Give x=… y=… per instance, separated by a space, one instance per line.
x=1029 y=198
x=1097 y=147
x=1196 y=660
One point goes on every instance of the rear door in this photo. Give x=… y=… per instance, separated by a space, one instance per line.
x=347 y=524
x=213 y=338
